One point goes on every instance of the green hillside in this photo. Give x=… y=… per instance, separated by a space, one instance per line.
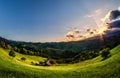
x=95 y=68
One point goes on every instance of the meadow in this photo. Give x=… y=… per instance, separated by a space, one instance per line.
x=94 y=68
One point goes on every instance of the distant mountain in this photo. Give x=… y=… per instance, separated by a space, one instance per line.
x=92 y=43
x=66 y=52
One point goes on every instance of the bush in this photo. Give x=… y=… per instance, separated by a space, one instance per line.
x=32 y=63
x=12 y=53
x=105 y=52
x=23 y=58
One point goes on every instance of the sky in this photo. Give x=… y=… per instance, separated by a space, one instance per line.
x=50 y=20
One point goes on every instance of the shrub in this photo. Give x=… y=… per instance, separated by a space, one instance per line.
x=23 y=58
x=32 y=63
x=105 y=52
x=12 y=53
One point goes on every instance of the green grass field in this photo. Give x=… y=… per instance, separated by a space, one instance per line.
x=95 y=68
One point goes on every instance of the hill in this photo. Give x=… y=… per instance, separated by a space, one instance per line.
x=60 y=50
x=94 y=68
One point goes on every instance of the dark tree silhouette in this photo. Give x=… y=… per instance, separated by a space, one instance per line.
x=12 y=53
x=23 y=58
x=105 y=52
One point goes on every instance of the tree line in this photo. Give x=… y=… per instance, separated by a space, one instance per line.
x=60 y=55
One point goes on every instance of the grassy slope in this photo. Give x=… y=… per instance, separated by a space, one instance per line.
x=94 y=68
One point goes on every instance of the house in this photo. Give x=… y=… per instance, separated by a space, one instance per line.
x=48 y=63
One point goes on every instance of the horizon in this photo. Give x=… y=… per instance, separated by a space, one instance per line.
x=50 y=20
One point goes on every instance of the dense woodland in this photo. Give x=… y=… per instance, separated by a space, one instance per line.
x=62 y=52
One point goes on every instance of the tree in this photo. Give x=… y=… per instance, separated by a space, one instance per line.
x=105 y=52
x=15 y=49
x=8 y=46
x=12 y=53
x=23 y=51
x=2 y=44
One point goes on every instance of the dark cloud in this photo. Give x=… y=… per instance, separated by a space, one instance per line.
x=114 y=14
x=114 y=24
x=112 y=32
x=114 y=18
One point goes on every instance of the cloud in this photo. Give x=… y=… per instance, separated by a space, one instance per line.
x=114 y=17
x=110 y=26
x=114 y=14
x=73 y=34
x=111 y=22
x=114 y=24
x=106 y=18
x=112 y=32
x=70 y=34
x=119 y=8
x=111 y=16
x=95 y=16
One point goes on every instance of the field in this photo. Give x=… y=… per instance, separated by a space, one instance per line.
x=94 y=68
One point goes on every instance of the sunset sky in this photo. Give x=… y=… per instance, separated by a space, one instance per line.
x=50 y=20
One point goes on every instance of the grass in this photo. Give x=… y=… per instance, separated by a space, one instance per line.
x=94 y=68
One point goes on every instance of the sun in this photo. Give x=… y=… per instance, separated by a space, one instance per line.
x=102 y=29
